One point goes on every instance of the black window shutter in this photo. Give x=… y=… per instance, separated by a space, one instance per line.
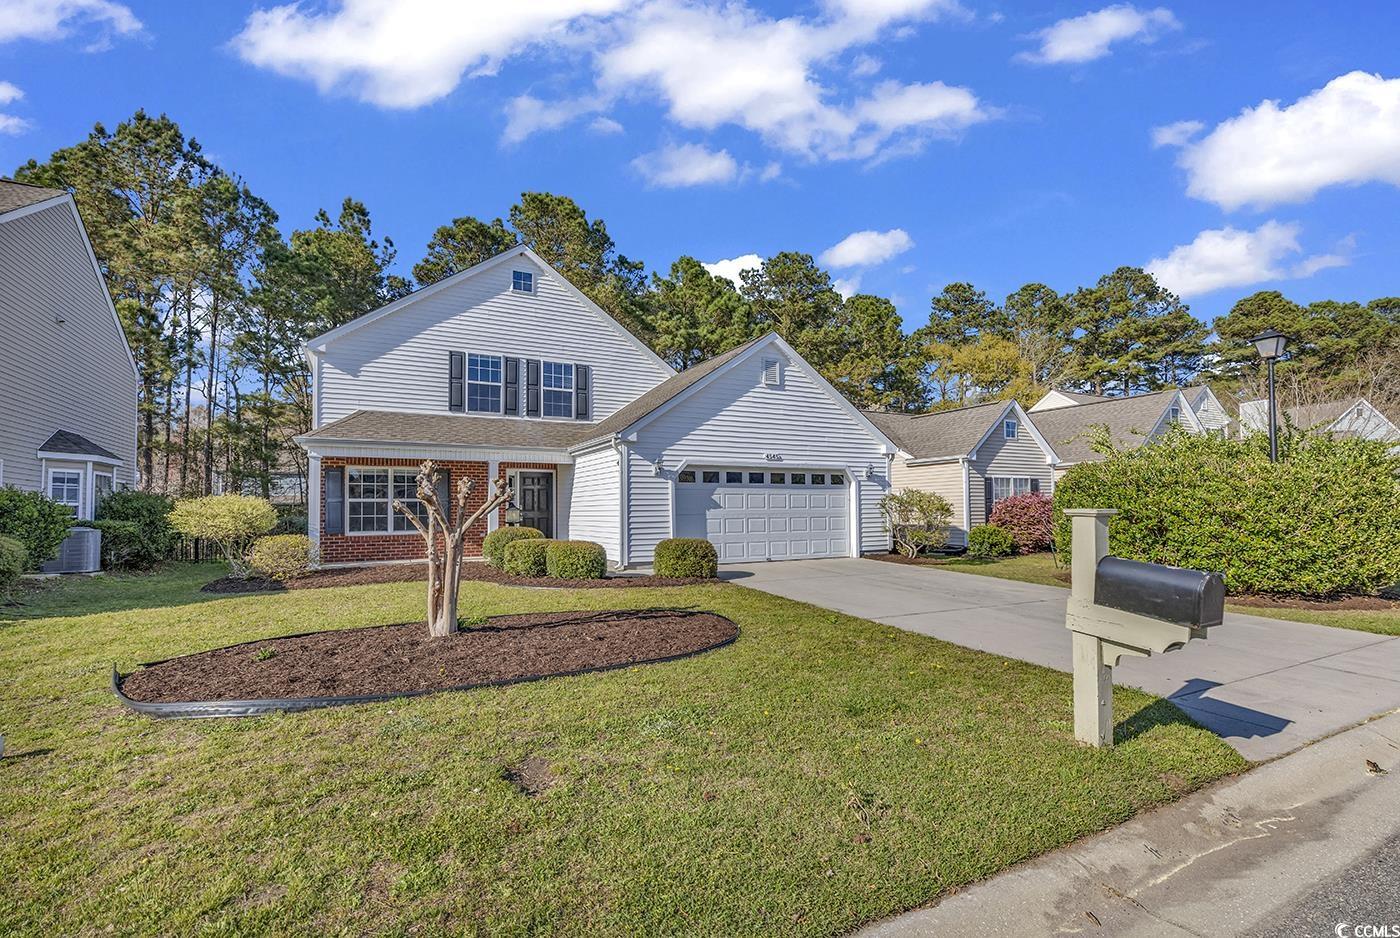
x=456 y=381
x=512 y=386
x=1035 y=484
x=583 y=390
x=442 y=486
x=333 y=484
x=532 y=388
x=987 y=500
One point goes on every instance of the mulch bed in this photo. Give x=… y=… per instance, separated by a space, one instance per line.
x=397 y=659
x=473 y=571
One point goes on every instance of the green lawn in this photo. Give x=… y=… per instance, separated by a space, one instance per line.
x=821 y=772
x=1040 y=568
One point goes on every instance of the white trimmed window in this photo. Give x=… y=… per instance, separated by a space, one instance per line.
x=522 y=281
x=557 y=385
x=369 y=500
x=1006 y=486
x=406 y=491
x=66 y=488
x=1008 y=429
x=484 y=384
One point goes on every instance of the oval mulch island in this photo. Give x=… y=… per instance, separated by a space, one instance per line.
x=326 y=669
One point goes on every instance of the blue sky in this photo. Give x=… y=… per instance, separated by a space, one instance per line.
x=993 y=142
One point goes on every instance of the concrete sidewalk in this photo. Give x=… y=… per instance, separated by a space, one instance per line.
x=1273 y=852
x=1267 y=686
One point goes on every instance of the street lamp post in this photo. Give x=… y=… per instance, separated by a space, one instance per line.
x=1270 y=344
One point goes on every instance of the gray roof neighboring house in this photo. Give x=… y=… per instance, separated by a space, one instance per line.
x=67 y=443
x=17 y=195
x=1129 y=420
x=1350 y=417
x=941 y=434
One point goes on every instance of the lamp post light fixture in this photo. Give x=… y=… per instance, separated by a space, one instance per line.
x=1270 y=344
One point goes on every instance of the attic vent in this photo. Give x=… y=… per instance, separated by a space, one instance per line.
x=772 y=372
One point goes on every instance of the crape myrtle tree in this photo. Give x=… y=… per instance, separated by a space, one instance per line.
x=443 y=536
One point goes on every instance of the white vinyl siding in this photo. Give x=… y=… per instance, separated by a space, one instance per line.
x=400 y=362
x=738 y=422
x=594 y=505
x=74 y=376
x=1021 y=458
x=1212 y=416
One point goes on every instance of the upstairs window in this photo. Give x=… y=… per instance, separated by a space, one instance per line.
x=1174 y=414
x=557 y=385
x=484 y=384
x=1008 y=429
x=522 y=281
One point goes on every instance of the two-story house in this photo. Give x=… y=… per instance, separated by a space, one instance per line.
x=68 y=382
x=507 y=370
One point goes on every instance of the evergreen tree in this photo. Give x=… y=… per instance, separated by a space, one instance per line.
x=696 y=315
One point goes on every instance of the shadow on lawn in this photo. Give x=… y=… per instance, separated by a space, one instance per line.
x=168 y=586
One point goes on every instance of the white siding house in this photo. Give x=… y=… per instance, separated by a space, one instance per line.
x=506 y=370
x=68 y=382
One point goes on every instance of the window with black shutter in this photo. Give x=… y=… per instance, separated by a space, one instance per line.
x=456 y=381
x=583 y=391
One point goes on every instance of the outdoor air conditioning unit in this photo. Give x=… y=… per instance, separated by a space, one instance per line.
x=80 y=552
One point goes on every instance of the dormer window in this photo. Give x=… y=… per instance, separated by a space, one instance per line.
x=1008 y=429
x=772 y=372
x=522 y=281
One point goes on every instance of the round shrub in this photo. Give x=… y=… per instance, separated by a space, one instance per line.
x=1321 y=521
x=1028 y=519
x=493 y=546
x=526 y=557
x=988 y=540
x=35 y=521
x=686 y=557
x=231 y=521
x=13 y=558
x=917 y=520
x=122 y=544
x=576 y=560
x=282 y=556
x=151 y=514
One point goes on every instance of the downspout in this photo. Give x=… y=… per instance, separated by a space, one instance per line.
x=623 y=547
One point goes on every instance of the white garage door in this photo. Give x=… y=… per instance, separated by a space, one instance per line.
x=752 y=515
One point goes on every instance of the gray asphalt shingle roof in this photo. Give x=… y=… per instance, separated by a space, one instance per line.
x=66 y=441
x=939 y=434
x=1128 y=419
x=15 y=195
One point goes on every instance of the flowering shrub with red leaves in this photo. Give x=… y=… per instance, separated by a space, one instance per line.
x=1027 y=518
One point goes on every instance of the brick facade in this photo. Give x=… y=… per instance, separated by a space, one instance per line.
x=362 y=548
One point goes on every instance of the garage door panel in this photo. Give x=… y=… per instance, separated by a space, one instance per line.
x=752 y=520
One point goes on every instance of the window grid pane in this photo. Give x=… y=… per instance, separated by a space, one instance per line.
x=484 y=384
x=756 y=478
x=367 y=501
x=406 y=491
x=709 y=476
x=557 y=379
x=1009 y=429
x=799 y=478
x=522 y=281
x=837 y=479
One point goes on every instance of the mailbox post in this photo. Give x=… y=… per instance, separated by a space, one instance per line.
x=1123 y=607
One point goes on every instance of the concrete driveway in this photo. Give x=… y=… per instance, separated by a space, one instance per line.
x=1267 y=686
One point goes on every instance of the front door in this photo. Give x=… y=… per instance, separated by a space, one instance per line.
x=537 y=501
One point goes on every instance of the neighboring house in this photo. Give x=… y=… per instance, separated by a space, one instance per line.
x=1200 y=398
x=972 y=456
x=1356 y=418
x=68 y=382
x=508 y=369
x=1131 y=421
x=1056 y=399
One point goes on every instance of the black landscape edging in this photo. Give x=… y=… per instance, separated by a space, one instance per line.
x=208 y=709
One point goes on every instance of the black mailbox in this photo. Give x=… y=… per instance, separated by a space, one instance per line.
x=1185 y=597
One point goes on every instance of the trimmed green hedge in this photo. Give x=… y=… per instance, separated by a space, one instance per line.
x=989 y=540
x=686 y=557
x=576 y=560
x=493 y=546
x=13 y=559
x=1321 y=521
x=122 y=544
x=35 y=521
x=526 y=557
x=151 y=514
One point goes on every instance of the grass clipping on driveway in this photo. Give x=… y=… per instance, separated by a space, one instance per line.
x=821 y=772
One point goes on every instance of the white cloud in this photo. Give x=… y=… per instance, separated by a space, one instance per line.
x=1176 y=135
x=846 y=286
x=773 y=170
x=9 y=123
x=688 y=164
x=1345 y=133
x=1229 y=257
x=605 y=125
x=526 y=115
x=866 y=248
x=9 y=92
x=403 y=53
x=1088 y=37
x=55 y=19
x=731 y=268
x=863 y=66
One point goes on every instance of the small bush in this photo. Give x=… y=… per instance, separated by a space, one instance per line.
x=686 y=557
x=1318 y=522
x=35 y=521
x=282 y=556
x=576 y=560
x=151 y=514
x=917 y=521
x=1029 y=520
x=987 y=541
x=122 y=544
x=13 y=558
x=493 y=546
x=526 y=557
x=291 y=519
x=231 y=521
